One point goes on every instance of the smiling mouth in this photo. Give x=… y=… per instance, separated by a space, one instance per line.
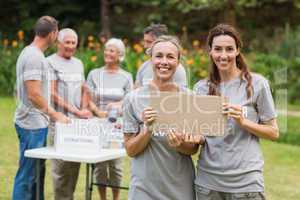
x=163 y=69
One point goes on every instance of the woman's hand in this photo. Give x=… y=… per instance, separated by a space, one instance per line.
x=175 y=139
x=234 y=111
x=148 y=116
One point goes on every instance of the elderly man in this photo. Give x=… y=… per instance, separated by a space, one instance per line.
x=33 y=111
x=145 y=72
x=68 y=95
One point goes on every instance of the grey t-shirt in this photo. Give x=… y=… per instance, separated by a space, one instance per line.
x=31 y=66
x=234 y=163
x=145 y=74
x=69 y=74
x=159 y=172
x=108 y=87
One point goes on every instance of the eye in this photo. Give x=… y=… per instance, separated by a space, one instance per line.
x=217 y=48
x=230 y=49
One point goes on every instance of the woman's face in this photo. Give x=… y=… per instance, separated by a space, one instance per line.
x=165 y=60
x=223 y=52
x=111 y=55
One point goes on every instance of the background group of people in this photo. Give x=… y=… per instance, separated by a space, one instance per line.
x=229 y=167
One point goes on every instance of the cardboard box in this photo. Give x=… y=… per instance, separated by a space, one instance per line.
x=189 y=113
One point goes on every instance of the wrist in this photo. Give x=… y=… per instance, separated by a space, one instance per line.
x=147 y=129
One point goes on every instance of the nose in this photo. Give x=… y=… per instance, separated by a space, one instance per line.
x=164 y=60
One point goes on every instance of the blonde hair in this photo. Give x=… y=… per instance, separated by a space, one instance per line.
x=166 y=38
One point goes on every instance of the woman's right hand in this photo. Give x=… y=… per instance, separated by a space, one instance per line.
x=148 y=116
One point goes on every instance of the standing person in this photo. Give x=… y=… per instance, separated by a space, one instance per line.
x=161 y=166
x=145 y=73
x=108 y=85
x=31 y=116
x=231 y=167
x=67 y=95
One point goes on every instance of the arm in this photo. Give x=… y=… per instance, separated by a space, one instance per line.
x=94 y=109
x=137 y=143
x=267 y=130
x=34 y=92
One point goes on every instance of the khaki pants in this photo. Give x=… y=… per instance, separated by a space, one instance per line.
x=64 y=175
x=207 y=194
x=109 y=172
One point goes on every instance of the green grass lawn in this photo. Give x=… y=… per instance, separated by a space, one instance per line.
x=282 y=163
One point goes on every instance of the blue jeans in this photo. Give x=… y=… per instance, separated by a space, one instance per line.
x=25 y=185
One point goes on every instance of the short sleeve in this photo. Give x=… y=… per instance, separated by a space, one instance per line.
x=180 y=76
x=90 y=83
x=51 y=73
x=130 y=122
x=265 y=104
x=139 y=74
x=33 y=68
x=201 y=87
x=129 y=85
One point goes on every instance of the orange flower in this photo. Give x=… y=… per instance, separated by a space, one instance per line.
x=21 y=35
x=14 y=43
x=138 y=48
x=196 y=43
x=5 y=42
x=91 y=45
x=93 y=58
x=90 y=38
x=184 y=51
x=190 y=61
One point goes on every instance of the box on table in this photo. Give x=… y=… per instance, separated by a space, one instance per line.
x=86 y=135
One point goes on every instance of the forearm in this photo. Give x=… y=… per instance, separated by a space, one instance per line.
x=40 y=103
x=92 y=107
x=134 y=145
x=266 y=131
x=85 y=98
x=61 y=103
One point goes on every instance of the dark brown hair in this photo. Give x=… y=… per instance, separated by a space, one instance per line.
x=214 y=78
x=45 y=25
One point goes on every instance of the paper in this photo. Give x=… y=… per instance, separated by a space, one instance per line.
x=189 y=113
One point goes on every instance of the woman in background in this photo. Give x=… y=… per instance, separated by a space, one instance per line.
x=108 y=85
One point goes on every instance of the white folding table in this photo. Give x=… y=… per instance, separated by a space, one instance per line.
x=89 y=159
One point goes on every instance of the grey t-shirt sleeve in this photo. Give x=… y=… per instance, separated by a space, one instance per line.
x=265 y=104
x=89 y=82
x=201 y=87
x=33 y=69
x=130 y=122
x=129 y=85
x=52 y=74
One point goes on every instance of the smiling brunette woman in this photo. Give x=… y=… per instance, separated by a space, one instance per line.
x=231 y=167
x=161 y=167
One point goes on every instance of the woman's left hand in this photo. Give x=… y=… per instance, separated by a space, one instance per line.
x=234 y=111
x=175 y=139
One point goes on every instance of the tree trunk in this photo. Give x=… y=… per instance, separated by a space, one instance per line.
x=230 y=13
x=104 y=17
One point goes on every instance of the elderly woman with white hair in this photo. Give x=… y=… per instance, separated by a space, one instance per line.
x=108 y=86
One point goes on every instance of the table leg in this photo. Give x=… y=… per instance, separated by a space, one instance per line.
x=38 y=178
x=89 y=181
